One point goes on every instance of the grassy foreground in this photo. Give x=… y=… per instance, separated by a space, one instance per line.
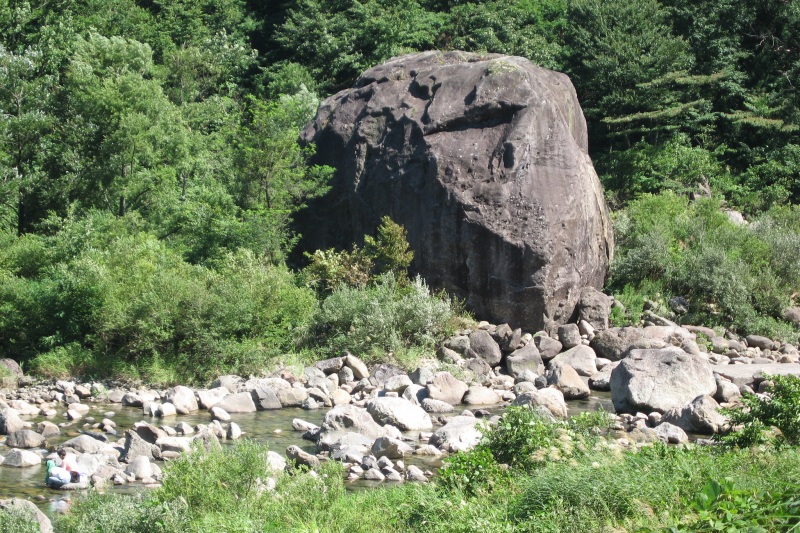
x=562 y=477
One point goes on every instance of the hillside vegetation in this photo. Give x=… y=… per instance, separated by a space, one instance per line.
x=149 y=170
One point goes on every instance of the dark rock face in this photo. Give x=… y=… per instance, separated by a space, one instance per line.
x=483 y=159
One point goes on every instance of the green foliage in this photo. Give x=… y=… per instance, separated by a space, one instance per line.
x=722 y=507
x=121 y=513
x=337 y=40
x=389 y=251
x=473 y=473
x=124 y=302
x=673 y=165
x=734 y=276
x=18 y=520
x=222 y=481
x=755 y=421
x=329 y=269
x=384 y=317
x=524 y=28
x=518 y=434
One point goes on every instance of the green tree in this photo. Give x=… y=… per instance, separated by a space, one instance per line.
x=25 y=123
x=623 y=58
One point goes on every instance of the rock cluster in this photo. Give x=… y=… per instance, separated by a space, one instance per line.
x=663 y=382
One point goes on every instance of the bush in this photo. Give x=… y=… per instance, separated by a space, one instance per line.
x=722 y=507
x=384 y=317
x=738 y=277
x=121 y=513
x=387 y=253
x=754 y=421
x=18 y=521
x=472 y=472
x=126 y=303
x=218 y=480
x=518 y=434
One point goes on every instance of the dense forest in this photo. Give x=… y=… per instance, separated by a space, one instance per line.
x=149 y=170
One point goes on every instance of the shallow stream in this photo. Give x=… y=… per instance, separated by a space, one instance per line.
x=274 y=428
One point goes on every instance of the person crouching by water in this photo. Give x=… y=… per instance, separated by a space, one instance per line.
x=68 y=464
x=56 y=476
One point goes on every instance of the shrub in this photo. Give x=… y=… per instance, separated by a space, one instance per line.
x=387 y=253
x=122 y=513
x=752 y=422
x=739 y=277
x=472 y=472
x=720 y=506
x=383 y=317
x=518 y=434
x=18 y=521
x=217 y=480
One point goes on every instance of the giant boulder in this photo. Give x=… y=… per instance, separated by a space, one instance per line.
x=660 y=380
x=483 y=159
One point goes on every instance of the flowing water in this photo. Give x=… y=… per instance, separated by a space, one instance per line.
x=274 y=428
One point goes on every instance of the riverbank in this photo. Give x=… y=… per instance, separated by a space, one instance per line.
x=386 y=425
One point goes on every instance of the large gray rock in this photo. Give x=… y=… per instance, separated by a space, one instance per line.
x=136 y=446
x=612 y=343
x=359 y=368
x=436 y=406
x=483 y=346
x=549 y=398
x=85 y=444
x=445 y=387
x=594 y=307
x=22 y=458
x=183 y=399
x=701 y=415
x=346 y=446
x=569 y=335
x=483 y=159
x=461 y=433
x=25 y=438
x=241 y=402
x=548 y=346
x=659 y=380
x=291 y=397
x=352 y=418
x=792 y=314
x=10 y=421
x=481 y=396
x=581 y=358
x=140 y=467
x=211 y=397
x=265 y=398
x=525 y=358
x=400 y=413
x=12 y=366
x=391 y=448
x=602 y=380
x=383 y=372
x=748 y=374
x=564 y=378
x=301 y=457
x=758 y=341
x=671 y=433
